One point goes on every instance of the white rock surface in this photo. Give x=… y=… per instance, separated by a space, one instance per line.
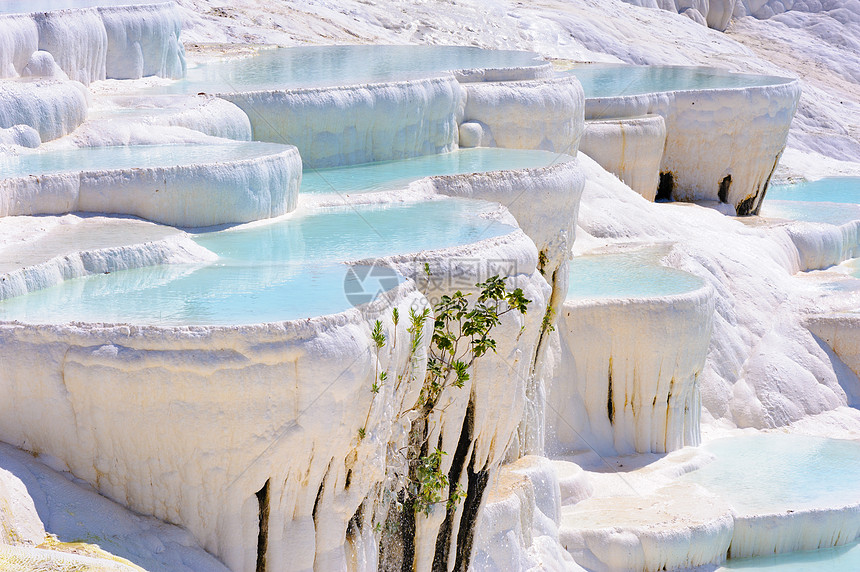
x=52 y=108
x=42 y=64
x=545 y=203
x=630 y=148
x=759 y=343
x=758 y=338
x=74 y=513
x=358 y=124
x=842 y=333
x=676 y=527
x=90 y=44
x=497 y=393
x=518 y=528
x=193 y=195
x=794 y=531
x=143 y=41
x=19 y=521
x=158 y=120
x=229 y=449
x=721 y=144
x=541 y=114
x=628 y=375
x=20 y=135
x=40 y=252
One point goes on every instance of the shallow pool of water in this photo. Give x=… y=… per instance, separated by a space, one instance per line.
x=834 y=200
x=828 y=190
x=610 y=80
x=635 y=274
x=397 y=174
x=292 y=268
x=771 y=473
x=832 y=213
x=839 y=559
x=126 y=157
x=316 y=66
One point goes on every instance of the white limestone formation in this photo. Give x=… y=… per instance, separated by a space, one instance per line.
x=757 y=534
x=630 y=148
x=345 y=125
x=545 y=202
x=42 y=64
x=675 y=527
x=43 y=496
x=715 y=14
x=19 y=40
x=721 y=144
x=765 y=9
x=841 y=331
x=518 y=527
x=143 y=41
x=628 y=375
x=89 y=44
x=261 y=423
x=52 y=108
x=539 y=114
x=159 y=120
x=820 y=245
x=197 y=194
x=20 y=135
x=306 y=373
x=19 y=521
x=758 y=340
x=46 y=251
x=210 y=386
x=496 y=395
x=543 y=71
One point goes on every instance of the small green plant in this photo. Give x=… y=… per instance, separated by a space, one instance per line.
x=548 y=317
x=377 y=335
x=462 y=334
x=542 y=261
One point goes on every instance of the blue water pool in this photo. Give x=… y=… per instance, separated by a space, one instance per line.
x=127 y=157
x=832 y=213
x=771 y=473
x=834 y=200
x=293 y=268
x=636 y=274
x=839 y=559
x=829 y=190
x=397 y=174
x=315 y=66
x=610 y=80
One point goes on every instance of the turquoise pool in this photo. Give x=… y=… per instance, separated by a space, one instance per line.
x=828 y=190
x=771 y=473
x=318 y=66
x=839 y=559
x=636 y=274
x=834 y=200
x=386 y=175
x=289 y=269
x=611 y=80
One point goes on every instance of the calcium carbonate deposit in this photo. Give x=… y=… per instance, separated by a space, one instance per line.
x=438 y=286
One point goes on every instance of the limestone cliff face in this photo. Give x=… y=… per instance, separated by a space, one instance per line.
x=89 y=44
